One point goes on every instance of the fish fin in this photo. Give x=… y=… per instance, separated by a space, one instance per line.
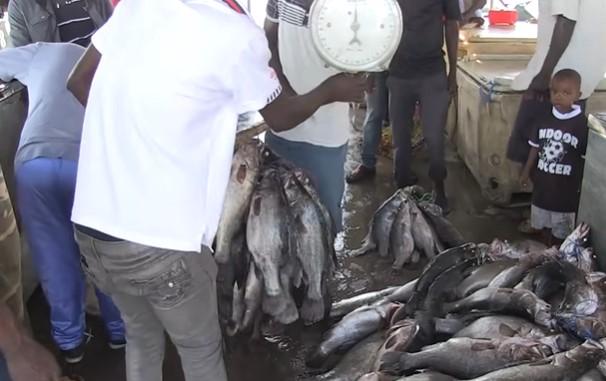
x=312 y=311
x=393 y=362
x=506 y=330
x=482 y=346
x=367 y=246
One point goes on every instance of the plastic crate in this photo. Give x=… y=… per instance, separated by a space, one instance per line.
x=503 y=17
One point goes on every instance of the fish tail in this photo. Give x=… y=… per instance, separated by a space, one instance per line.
x=273 y=305
x=367 y=246
x=312 y=311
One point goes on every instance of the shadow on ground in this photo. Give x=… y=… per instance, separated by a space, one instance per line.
x=281 y=356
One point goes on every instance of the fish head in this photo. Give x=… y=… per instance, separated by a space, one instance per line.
x=586 y=260
x=431 y=208
x=499 y=249
x=590 y=351
x=576 y=240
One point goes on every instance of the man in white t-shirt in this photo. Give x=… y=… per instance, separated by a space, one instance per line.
x=319 y=144
x=155 y=158
x=571 y=35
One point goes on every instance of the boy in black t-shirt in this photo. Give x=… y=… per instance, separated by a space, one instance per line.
x=557 y=159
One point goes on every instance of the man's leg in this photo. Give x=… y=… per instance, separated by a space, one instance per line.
x=4 y=375
x=109 y=312
x=144 y=332
x=45 y=214
x=434 y=101
x=402 y=103
x=326 y=166
x=376 y=111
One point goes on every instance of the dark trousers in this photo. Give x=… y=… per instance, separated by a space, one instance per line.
x=432 y=93
x=4 y=376
x=534 y=106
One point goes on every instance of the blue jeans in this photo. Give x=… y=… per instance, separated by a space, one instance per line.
x=45 y=190
x=4 y=376
x=326 y=165
x=376 y=112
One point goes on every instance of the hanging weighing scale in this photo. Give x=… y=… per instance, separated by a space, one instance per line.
x=356 y=36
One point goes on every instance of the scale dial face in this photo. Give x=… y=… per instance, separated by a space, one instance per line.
x=356 y=35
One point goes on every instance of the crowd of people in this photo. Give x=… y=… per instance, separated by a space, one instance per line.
x=124 y=158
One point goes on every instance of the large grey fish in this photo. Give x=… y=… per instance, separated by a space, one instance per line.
x=354 y=327
x=403 y=293
x=573 y=246
x=436 y=266
x=399 y=338
x=253 y=298
x=513 y=275
x=466 y=358
x=448 y=234
x=581 y=296
x=592 y=375
x=501 y=327
x=401 y=240
x=313 y=252
x=235 y=323
x=357 y=361
x=428 y=376
x=481 y=276
x=379 y=228
x=345 y=306
x=329 y=232
x=513 y=250
x=565 y=366
x=269 y=238
x=244 y=175
x=506 y=299
x=424 y=235
x=546 y=280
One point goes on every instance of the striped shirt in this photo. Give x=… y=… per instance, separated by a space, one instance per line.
x=74 y=22
x=295 y=12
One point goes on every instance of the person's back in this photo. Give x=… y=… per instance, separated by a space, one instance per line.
x=54 y=123
x=160 y=103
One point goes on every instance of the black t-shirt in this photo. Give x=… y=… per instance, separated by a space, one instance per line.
x=420 y=51
x=73 y=21
x=557 y=179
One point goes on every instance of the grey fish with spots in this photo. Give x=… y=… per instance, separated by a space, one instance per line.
x=424 y=235
x=243 y=178
x=379 y=231
x=401 y=240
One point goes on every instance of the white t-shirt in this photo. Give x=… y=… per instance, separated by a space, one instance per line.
x=586 y=52
x=305 y=70
x=160 y=124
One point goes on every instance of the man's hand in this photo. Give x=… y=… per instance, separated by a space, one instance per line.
x=32 y=362
x=525 y=180
x=453 y=87
x=540 y=82
x=348 y=88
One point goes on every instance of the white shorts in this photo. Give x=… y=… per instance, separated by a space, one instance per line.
x=561 y=224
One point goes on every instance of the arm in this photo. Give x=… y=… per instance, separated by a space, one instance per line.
x=531 y=164
x=15 y=63
x=272 y=23
x=81 y=78
x=271 y=31
x=562 y=34
x=452 y=45
x=25 y=358
x=16 y=19
x=476 y=6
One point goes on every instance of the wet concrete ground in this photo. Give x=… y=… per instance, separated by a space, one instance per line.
x=281 y=356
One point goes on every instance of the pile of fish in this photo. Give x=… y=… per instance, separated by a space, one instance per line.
x=481 y=312
x=274 y=241
x=404 y=229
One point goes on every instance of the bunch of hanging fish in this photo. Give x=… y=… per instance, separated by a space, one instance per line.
x=500 y=311
x=404 y=229
x=274 y=239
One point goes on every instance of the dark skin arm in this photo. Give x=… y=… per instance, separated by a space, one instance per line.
x=470 y=12
x=26 y=359
x=285 y=112
x=451 y=28
x=562 y=34
x=271 y=32
x=531 y=164
x=81 y=77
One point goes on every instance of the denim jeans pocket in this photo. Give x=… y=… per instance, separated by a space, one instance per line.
x=167 y=289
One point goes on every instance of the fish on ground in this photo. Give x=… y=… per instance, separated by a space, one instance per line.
x=424 y=235
x=401 y=237
x=345 y=306
x=447 y=233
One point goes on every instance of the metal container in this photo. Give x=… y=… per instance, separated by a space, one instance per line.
x=486 y=111
x=592 y=208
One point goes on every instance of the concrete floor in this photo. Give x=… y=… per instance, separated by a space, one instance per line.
x=281 y=357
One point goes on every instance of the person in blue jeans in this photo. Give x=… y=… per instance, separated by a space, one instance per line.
x=376 y=114
x=45 y=171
